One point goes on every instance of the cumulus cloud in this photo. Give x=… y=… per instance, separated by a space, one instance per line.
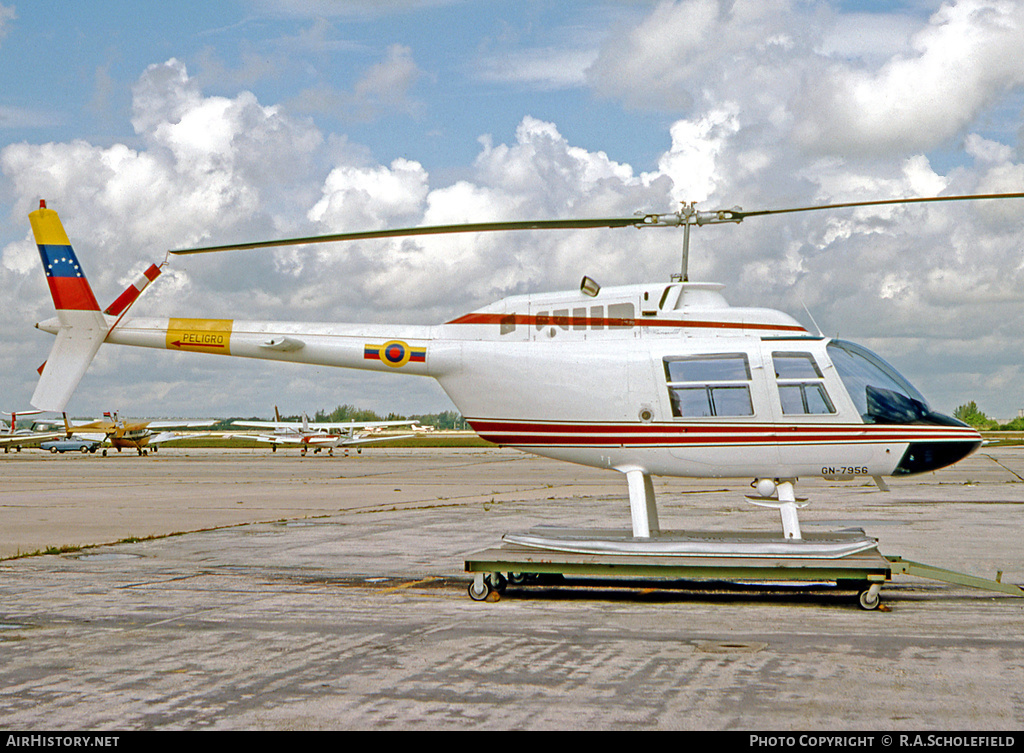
x=370 y=198
x=835 y=84
x=210 y=166
x=963 y=60
x=672 y=57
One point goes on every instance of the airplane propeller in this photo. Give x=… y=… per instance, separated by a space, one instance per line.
x=686 y=217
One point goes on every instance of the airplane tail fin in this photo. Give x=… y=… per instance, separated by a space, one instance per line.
x=14 y=417
x=83 y=327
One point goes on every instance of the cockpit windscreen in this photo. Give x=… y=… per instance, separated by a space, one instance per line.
x=880 y=393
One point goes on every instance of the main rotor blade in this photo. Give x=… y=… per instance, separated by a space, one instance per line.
x=740 y=214
x=476 y=227
x=687 y=217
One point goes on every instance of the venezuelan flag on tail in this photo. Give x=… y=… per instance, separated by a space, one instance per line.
x=83 y=328
x=68 y=286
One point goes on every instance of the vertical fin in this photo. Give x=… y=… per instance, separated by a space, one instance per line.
x=68 y=286
x=83 y=327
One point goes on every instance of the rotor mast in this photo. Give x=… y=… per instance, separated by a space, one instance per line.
x=687 y=217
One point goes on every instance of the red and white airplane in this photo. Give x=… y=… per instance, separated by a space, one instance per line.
x=319 y=436
x=13 y=437
x=656 y=379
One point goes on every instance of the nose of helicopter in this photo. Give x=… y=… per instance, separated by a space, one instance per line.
x=922 y=457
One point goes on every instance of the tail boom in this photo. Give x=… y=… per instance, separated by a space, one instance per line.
x=355 y=346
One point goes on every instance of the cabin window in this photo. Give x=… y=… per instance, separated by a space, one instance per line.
x=801 y=386
x=620 y=315
x=708 y=386
x=508 y=324
x=579 y=318
x=804 y=399
x=795 y=366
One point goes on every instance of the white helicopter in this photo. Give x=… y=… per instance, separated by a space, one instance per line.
x=658 y=379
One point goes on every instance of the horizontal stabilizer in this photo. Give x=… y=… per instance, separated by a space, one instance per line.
x=72 y=353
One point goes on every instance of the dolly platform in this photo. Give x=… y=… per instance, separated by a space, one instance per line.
x=848 y=558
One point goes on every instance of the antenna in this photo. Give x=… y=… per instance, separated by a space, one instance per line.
x=820 y=333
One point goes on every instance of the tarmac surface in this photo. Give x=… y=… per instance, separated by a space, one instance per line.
x=281 y=592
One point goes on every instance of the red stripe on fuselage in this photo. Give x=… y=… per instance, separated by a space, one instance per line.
x=562 y=434
x=72 y=293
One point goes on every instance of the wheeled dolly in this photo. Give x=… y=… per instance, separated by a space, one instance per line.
x=551 y=555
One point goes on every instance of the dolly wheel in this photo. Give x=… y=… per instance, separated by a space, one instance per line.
x=479 y=588
x=498 y=582
x=868 y=598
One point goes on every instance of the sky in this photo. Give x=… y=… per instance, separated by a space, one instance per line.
x=151 y=126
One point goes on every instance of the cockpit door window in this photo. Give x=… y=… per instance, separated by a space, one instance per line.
x=801 y=385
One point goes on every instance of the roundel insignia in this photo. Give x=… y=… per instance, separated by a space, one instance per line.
x=395 y=353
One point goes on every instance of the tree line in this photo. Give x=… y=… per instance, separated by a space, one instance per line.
x=448 y=419
x=970 y=414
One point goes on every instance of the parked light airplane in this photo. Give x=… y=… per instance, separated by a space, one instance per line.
x=137 y=435
x=656 y=379
x=320 y=436
x=12 y=436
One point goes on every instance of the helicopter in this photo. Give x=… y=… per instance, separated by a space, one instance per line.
x=651 y=379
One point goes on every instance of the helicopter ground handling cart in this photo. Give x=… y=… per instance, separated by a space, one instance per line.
x=551 y=556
